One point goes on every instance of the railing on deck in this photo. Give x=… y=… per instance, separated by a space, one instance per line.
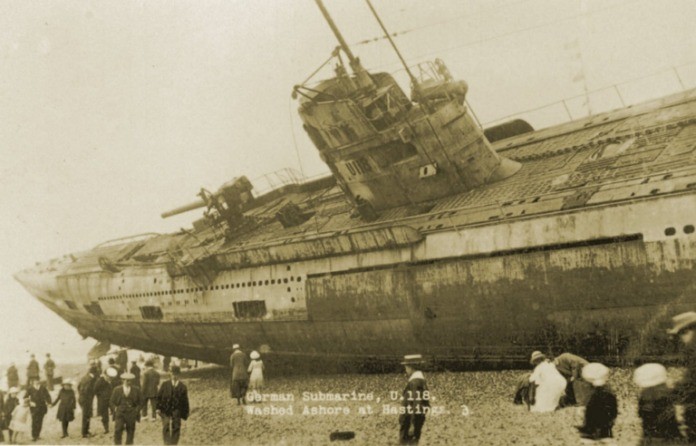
x=614 y=96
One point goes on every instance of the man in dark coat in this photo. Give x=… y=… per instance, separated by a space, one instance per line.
x=135 y=370
x=103 y=388
x=240 y=376
x=9 y=405
x=86 y=390
x=172 y=406
x=126 y=401
x=32 y=370
x=49 y=370
x=684 y=326
x=415 y=401
x=122 y=360
x=151 y=380
x=12 y=376
x=39 y=399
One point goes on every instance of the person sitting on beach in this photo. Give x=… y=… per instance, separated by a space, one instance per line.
x=66 y=409
x=656 y=404
x=255 y=371
x=601 y=409
x=550 y=384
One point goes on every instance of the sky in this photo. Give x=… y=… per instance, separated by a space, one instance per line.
x=113 y=111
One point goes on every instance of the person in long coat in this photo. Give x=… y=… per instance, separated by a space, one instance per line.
x=103 y=387
x=126 y=401
x=684 y=326
x=415 y=400
x=49 y=370
x=601 y=409
x=151 y=380
x=12 y=376
x=173 y=406
x=8 y=406
x=135 y=370
x=66 y=408
x=32 y=370
x=240 y=377
x=550 y=384
x=39 y=400
x=578 y=390
x=86 y=391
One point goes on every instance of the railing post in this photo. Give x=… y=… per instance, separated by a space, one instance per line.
x=676 y=73
x=565 y=105
x=618 y=93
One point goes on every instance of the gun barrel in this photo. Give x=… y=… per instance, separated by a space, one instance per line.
x=185 y=208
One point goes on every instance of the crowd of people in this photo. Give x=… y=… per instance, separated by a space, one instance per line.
x=569 y=380
x=121 y=393
x=124 y=395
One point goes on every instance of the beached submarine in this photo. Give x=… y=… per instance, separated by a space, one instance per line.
x=432 y=235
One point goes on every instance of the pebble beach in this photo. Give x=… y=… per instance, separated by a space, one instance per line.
x=468 y=408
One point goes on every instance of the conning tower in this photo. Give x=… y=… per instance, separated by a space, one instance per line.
x=388 y=150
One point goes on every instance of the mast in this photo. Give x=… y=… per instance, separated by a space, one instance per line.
x=363 y=77
x=414 y=81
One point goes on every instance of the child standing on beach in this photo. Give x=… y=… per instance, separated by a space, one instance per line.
x=656 y=405
x=21 y=420
x=255 y=371
x=601 y=410
x=66 y=409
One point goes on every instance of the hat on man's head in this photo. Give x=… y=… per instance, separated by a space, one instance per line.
x=111 y=372
x=650 y=375
x=127 y=376
x=536 y=357
x=13 y=390
x=149 y=363
x=412 y=360
x=254 y=355
x=235 y=346
x=175 y=370
x=596 y=374
x=67 y=382
x=682 y=322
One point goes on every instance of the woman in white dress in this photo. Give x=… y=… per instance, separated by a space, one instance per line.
x=550 y=384
x=255 y=373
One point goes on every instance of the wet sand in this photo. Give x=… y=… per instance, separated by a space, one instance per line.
x=476 y=409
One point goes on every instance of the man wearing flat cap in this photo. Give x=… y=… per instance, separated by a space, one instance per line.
x=172 y=406
x=684 y=326
x=126 y=401
x=415 y=399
